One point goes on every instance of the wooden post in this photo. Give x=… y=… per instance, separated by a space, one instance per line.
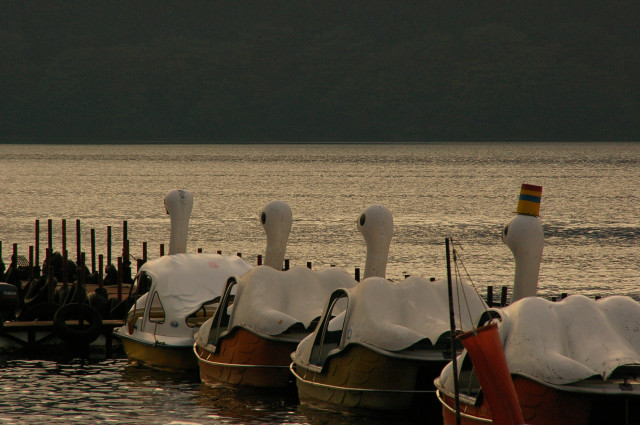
x=144 y=252
x=82 y=270
x=125 y=235
x=50 y=234
x=503 y=296
x=37 y=250
x=286 y=264
x=51 y=285
x=14 y=258
x=64 y=234
x=259 y=262
x=119 y=278
x=199 y=250
x=219 y=252
x=65 y=258
x=309 y=265
x=31 y=267
x=100 y=271
x=161 y=249
x=239 y=254
x=357 y=274
x=108 y=245
x=490 y=296
x=93 y=250
x=78 y=240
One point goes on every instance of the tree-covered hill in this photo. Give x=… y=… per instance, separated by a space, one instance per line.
x=312 y=71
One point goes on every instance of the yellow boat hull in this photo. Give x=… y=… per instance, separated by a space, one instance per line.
x=360 y=378
x=162 y=357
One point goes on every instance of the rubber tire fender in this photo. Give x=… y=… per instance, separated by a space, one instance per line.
x=75 y=334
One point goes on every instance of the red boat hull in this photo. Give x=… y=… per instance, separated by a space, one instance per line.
x=540 y=405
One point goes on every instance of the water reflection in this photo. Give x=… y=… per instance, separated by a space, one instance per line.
x=109 y=391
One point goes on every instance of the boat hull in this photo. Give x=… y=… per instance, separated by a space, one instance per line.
x=246 y=359
x=360 y=378
x=162 y=357
x=541 y=405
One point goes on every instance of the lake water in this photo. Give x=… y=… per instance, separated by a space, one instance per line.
x=590 y=212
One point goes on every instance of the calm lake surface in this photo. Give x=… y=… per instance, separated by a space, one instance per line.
x=590 y=212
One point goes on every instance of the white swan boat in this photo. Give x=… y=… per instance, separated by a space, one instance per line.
x=380 y=344
x=183 y=291
x=572 y=362
x=249 y=340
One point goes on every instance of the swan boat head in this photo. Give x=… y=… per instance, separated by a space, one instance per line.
x=523 y=234
x=276 y=220
x=178 y=203
x=376 y=226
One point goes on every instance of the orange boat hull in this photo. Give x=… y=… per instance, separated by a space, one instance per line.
x=246 y=359
x=540 y=405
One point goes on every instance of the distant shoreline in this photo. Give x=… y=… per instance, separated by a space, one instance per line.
x=37 y=141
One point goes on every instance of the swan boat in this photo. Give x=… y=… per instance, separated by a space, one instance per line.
x=184 y=290
x=180 y=291
x=249 y=340
x=572 y=362
x=384 y=350
x=576 y=362
x=380 y=344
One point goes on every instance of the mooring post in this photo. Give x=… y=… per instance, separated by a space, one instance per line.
x=65 y=257
x=357 y=274
x=108 y=245
x=199 y=250
x=119 y=278
x=286 y=264
x=126 y=262
x=309 y=265
x=503 y=296
x=161 y=249
x=14 y=258
x=31 y=268
x=64 y=234
x=51 y=286
x=78 y=240
x=50 y=234
x=37 y=250
x=259 y=261
x=219 y=252
x=239 y=254
x=100 y=271
x=144 y=252
x=93 y=250
x=490 y=296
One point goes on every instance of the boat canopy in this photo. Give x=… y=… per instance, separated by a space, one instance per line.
x=560 y=343
x=186 y=281
x=268 y=302
x=389 y=316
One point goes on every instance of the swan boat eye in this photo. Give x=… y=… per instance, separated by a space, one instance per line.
x=505 y=231
x=362 y=219
x=263 y=217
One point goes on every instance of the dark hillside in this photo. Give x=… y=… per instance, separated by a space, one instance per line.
x=331 y=70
